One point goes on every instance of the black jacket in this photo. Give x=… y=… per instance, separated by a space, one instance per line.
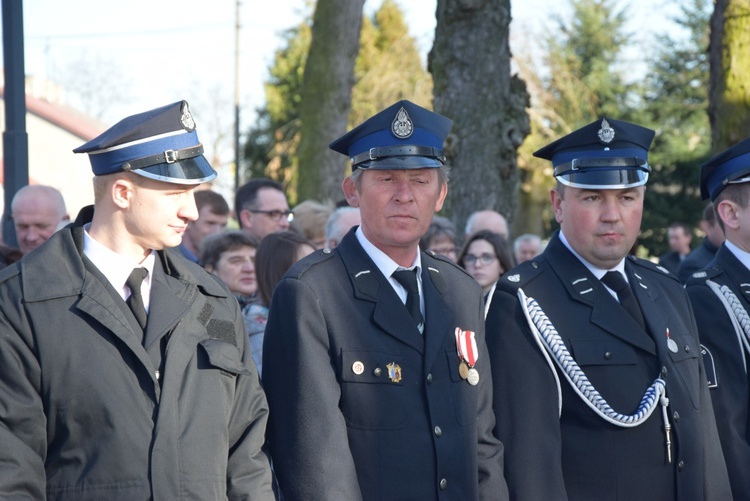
x=340 y=427
x=726 y=357
x=579 y=455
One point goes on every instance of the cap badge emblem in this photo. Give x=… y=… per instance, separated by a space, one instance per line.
x=402 y=126
x=606 y=134
x=186 y=119
x=514 y=278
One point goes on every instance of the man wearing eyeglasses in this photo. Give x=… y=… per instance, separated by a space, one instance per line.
x=261 y=208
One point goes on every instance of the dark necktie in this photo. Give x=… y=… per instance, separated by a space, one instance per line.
x=408 y=279
x=135 y=300
x=615 y=281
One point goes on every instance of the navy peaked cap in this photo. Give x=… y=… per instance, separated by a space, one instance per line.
x=159 y=144
x=731 y=166
x=403 y=136
x=606 y=154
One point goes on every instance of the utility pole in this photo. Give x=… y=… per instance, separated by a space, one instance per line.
x=15 y=138
x=237 y=98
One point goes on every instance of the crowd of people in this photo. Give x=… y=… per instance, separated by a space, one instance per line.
x=370 y=350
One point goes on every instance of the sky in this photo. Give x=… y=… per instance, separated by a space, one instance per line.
x=160 y=51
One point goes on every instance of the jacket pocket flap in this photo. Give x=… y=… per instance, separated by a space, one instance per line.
x=224 y=356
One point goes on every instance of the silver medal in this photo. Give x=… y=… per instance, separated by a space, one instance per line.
x=672 y=345
x=473 y=376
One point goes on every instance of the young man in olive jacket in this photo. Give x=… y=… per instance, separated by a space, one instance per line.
x=125 y=368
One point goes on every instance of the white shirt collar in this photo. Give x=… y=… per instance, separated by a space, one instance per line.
x=743 y=256
x=598 y=272
x=116 y=267
x=387 y=266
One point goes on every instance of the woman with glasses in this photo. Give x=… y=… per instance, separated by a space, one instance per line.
x=486 y=257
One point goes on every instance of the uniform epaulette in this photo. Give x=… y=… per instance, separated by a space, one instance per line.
x=701 y=276
x=520 y=275
x=447 y=261
x=657 y=268
x=310 y=261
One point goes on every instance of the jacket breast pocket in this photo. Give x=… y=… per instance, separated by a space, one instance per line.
x=374 y=389
x=223 y=356
x=687 y=366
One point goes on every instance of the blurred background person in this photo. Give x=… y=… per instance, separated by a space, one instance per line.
x=704 y=253
x=261 y=208
x=526 y=247
x=231 y=257
x=679 y=236
x=486 y=257
x=276 y=254
x=310 y=219
x=213 y=215
x=440 y=238
x=486 y=220
x=37 y=211
x=339 y=223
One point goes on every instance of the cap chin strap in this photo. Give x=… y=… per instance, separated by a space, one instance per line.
x=167 y=157
x=397 y=151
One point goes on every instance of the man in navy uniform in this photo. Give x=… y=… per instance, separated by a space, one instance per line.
x=600 y=390
x=720 y=295
x=375 y=363
x=126 y=372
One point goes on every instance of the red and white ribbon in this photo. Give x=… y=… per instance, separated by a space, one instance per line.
x=466 y=346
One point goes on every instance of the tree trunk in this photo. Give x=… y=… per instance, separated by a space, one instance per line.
x=326 y=97
x=470 y=66
x=729 y=90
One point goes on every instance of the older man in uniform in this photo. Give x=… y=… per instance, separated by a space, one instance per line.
x=600 y=389
x=375 y=363
x=721 y=299
x=126 y=372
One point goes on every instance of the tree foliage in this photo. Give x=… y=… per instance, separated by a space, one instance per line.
x=387 y=68
x=675 y=101
x=581 y=80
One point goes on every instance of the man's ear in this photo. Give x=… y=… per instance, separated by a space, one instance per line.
x=728 y=211
x=121 y=192
x=350 y=191
x=245 y=219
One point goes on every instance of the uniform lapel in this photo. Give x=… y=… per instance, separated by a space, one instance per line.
x=653 y=308
x=369 y=285
x=101 y=302
x=166 y=307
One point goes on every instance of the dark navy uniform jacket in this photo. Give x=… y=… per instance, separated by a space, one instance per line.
x=340 y=427
x=579 y=455
x=730 y=392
